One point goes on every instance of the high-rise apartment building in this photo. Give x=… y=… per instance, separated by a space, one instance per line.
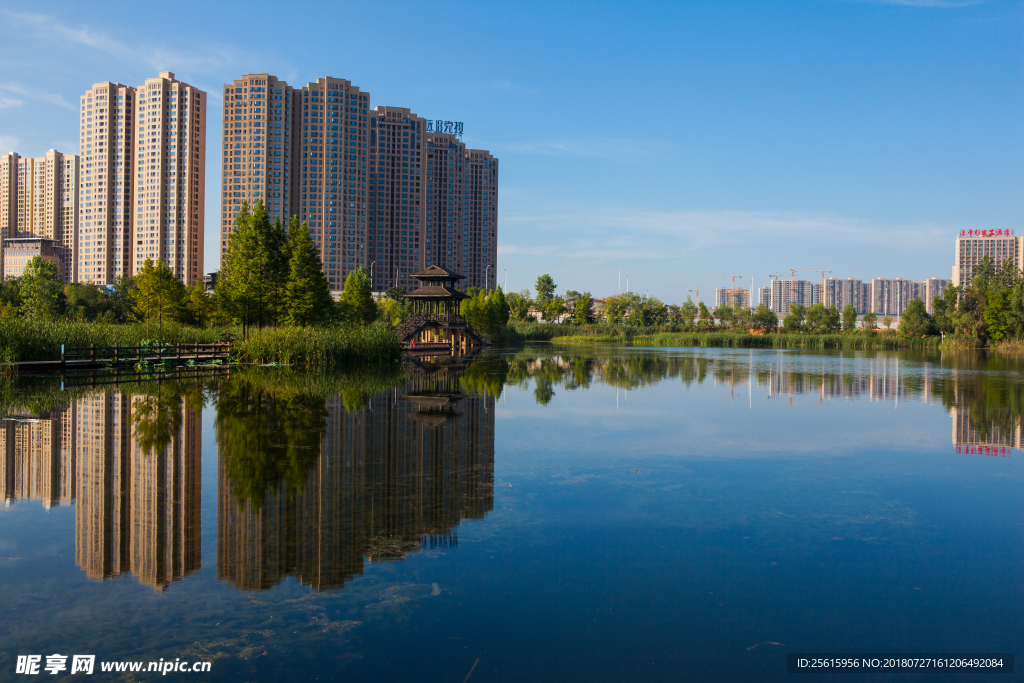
x=974 y=245
x=357 y=178
x=726 y=296
x=850 y=291
x=144 y=169
x=39 y=199
x=931 y=288
x=786 y=292
x=890 y=297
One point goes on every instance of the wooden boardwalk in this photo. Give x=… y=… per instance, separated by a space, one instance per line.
x=95 y=357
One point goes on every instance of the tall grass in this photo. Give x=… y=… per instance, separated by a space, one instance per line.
x=23 y=339
x=320 y=347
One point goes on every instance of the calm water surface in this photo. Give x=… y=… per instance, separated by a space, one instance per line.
x=552 y=514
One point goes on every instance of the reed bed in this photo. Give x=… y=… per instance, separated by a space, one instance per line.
x=320 y=347
x=23 y=339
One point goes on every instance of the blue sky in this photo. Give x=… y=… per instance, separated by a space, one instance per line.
x=667 y=141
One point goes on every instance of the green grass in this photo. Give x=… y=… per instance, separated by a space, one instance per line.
x=22 y=339
x=738 y=338
x=320 y=347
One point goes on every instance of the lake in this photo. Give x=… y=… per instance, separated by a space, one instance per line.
x=554 y=513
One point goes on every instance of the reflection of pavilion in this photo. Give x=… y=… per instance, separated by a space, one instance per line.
x=391 y=478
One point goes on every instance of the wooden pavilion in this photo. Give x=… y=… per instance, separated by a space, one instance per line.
x=435 y=320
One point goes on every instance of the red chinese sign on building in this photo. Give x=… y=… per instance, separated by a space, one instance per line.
x=987 y=233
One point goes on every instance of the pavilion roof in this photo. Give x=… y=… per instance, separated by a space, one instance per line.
x=435 y=272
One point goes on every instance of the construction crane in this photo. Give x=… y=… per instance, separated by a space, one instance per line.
x=732 y=292
x=792 y=282
x=822 y=271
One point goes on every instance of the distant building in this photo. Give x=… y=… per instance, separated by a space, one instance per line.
x=210 y=280
x=931 y=288
x=724 y=296
x=841 y=293
x=39 y=198
x=890 y=297
x=786 y=292
x=974 y=245
x=20 y=250
x=764 y=296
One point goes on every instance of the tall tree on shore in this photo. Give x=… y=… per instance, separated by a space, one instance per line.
x=849 y=318
x=583 y=310
x=357 y=304
x=254 y=270
x=518 y=304
x=40 y=289
x=307 y=295
x=158 y=294
x=545 y=287
x=764 y=318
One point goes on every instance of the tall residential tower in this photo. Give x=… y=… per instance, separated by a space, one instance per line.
x=363 y=180
x=143 y=157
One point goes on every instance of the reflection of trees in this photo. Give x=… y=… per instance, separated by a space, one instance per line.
x=984 y=389
x=267 y=439
x=270 y=423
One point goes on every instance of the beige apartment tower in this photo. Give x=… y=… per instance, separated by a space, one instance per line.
x=144 y=169
x=358 y=178
x=39 y=200
x=974 y=245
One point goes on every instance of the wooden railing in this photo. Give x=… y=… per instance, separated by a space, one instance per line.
x=121 y=354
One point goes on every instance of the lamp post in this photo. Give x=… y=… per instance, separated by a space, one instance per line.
x=372 y=264
x=486 y=271
x=505 y=288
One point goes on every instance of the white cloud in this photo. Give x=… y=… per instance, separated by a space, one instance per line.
x=29 y=94
x=9 y=102
x=8 y=143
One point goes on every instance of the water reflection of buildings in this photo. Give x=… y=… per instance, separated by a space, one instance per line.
x=973 y=436
x=38 y=458
x=137 y=509
x=390 y=478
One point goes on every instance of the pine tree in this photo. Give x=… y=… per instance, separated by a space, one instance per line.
x=254 y=271
x=307 y=295
x=357 y=298
x=158 y=294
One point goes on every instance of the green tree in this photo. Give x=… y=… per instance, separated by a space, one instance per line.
x=870 y=321
x=391 y=311
x=545 y=287
x=197 y=304
x=519 y=304
x=887 y=321
x=915 y=321
x=794 y=320
x=830 y=320
x=704 y=318
x=946 y=313
x=849 y=318
x=554 y=308
x=764 y=318
x=357 y=304
x=254 y=271
x=158 y=294
x=725 y=315
x=40 y=289
x=486 y=312
x=688 y=312
x=396 y=294
x=583 y=309
x=307 y=294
